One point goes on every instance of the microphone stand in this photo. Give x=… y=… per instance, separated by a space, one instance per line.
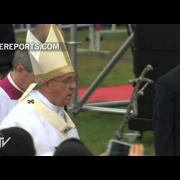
x=132 y=110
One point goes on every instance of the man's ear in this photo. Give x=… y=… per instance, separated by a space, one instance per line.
x=20 y=68
x=46 y=87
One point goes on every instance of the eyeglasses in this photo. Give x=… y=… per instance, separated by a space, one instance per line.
x=67 y=81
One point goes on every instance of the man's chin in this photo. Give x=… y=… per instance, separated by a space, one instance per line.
x=67 y=103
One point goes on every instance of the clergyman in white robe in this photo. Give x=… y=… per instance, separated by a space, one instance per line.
x=46 y=137
x=9 y=94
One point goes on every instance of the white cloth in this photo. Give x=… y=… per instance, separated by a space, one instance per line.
x=45 y=136
x=6 y=104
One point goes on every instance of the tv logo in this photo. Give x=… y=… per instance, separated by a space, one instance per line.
x=3 y=142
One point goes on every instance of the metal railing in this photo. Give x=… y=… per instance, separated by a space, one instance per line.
x=79 y=105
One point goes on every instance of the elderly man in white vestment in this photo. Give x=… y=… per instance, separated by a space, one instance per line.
x=41 y=108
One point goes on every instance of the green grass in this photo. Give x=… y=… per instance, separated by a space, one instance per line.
x=21 y=37
x=90 y=67
x=96 y=129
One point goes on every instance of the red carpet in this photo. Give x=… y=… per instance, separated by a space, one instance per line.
x=113 y=93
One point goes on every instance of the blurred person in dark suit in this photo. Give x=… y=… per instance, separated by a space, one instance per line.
x=6 y=56
x=166 y=115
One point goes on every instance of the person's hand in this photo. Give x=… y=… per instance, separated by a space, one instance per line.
x=136 y=150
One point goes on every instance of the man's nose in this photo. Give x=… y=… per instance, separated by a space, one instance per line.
x=73 y=85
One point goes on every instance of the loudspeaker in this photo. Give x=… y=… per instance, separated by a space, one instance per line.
x=159 y=46
x=157 y=37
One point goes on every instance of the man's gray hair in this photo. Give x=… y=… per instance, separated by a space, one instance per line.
x=21 y=57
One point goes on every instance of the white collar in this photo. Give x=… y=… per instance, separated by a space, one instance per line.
x=13 y=83
x=44 y=100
